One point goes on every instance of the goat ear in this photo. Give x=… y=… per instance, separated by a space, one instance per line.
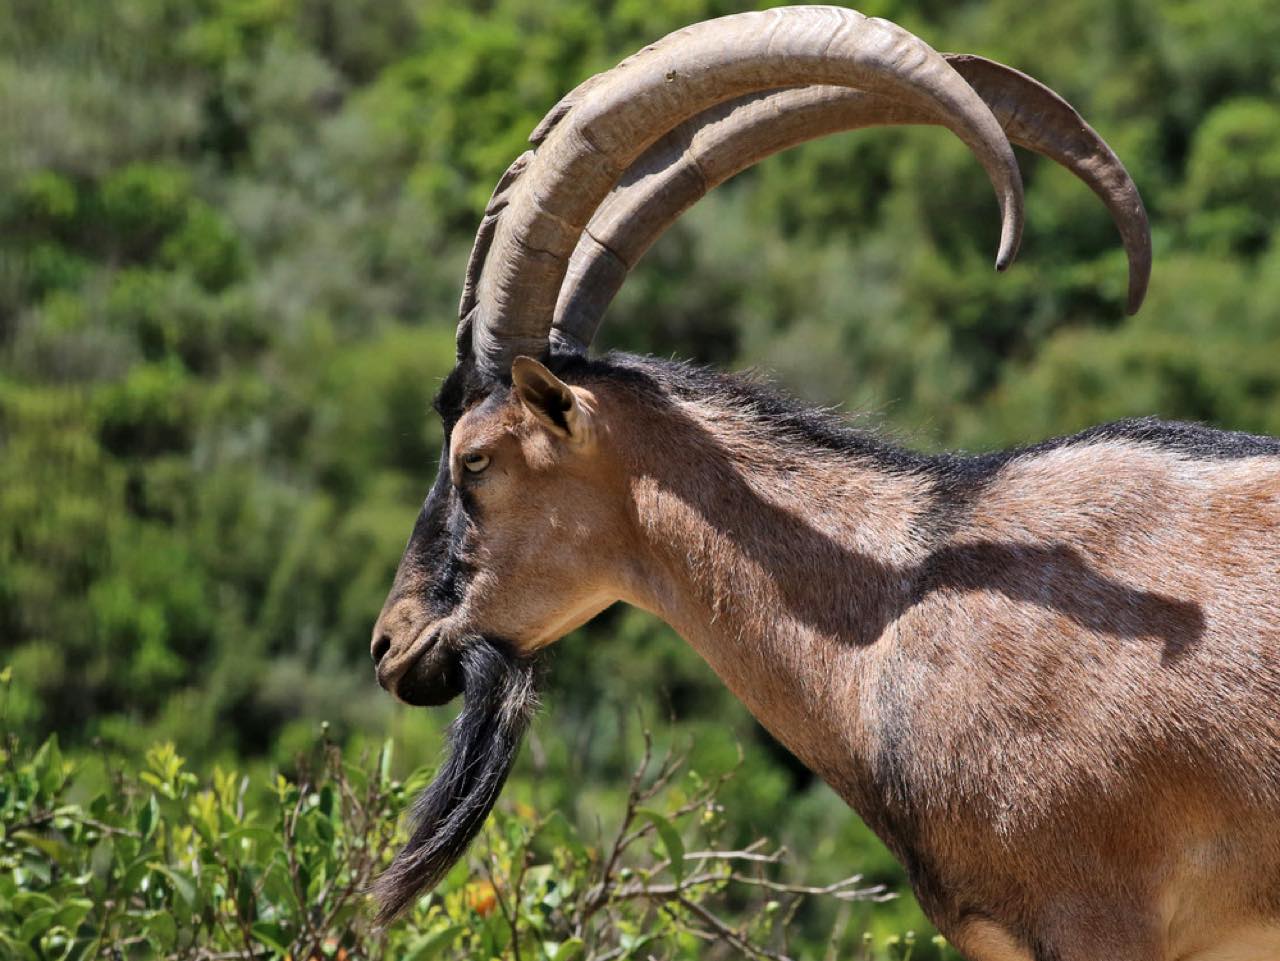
x=549 y=399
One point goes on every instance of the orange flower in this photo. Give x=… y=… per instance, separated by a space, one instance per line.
x=480 y=897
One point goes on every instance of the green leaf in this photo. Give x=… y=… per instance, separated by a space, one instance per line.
x=161 y=930
x=430 y=945
x=51 y=847
x=274 y=936
x=131 y=877
x=324 y=830
x=670 y=840
x=73 y=911
x=384 y=762
x=255 y=833
x=246 y=903
x=9 y=948
x=183 y=885
x=632 y=943
x=418 y=780
x=49 y=767
x=25 y=902
x=100 y=807
x=357 y=776
x=36 y=924
x=569 y=950
x=148 y=817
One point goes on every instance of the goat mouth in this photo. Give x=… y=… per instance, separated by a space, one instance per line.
x=433 y=676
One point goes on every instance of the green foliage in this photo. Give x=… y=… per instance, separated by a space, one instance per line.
x=161 y=864
x=143 y=201
x=164 y=864
x=45 y=198
x=206 y=245
x=231 y=238
x=1233 y=180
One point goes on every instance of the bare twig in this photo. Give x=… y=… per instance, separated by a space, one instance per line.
x=841 y=890
x=746 y=854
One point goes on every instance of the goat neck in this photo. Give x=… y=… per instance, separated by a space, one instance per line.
x=738 y=540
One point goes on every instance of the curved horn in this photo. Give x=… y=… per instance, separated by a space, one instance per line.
x=710 y=148
x=1035 y=117
x=590 y=143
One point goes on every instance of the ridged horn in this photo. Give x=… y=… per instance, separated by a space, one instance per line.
x=589 y=141
x=708 y=149
x=1035 y=117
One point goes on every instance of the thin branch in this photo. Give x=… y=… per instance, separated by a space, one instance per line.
x=839 y=890
x=41 y=818
x=749 y=853
x=729 y=934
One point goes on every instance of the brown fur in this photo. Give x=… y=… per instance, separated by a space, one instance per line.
x=1059 y=708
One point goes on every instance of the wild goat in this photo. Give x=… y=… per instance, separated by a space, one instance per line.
x=1048 y=678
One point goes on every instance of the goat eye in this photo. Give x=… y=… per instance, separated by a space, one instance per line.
x=475 y=463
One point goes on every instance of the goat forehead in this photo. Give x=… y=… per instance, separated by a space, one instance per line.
x=478 y=434
x=486 y=423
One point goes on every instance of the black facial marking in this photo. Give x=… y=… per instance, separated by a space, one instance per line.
x=436 y=548
x=454 y=572
x=433 y=559
x=463 y=388
x=500 y=698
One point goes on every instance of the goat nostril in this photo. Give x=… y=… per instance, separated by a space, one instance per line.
x=380 y=647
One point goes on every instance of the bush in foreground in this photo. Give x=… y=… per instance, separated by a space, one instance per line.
x=164 y=864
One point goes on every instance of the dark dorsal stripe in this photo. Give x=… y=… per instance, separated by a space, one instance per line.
x=823 y=431
x=958 y=478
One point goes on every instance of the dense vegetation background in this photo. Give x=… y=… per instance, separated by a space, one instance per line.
x=232 y=234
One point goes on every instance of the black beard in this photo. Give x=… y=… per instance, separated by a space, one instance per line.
x=498 y=688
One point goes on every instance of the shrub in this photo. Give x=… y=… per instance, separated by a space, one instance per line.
x=163 y=863
x=45 y=197
x=149 y=413
x=144 y=197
